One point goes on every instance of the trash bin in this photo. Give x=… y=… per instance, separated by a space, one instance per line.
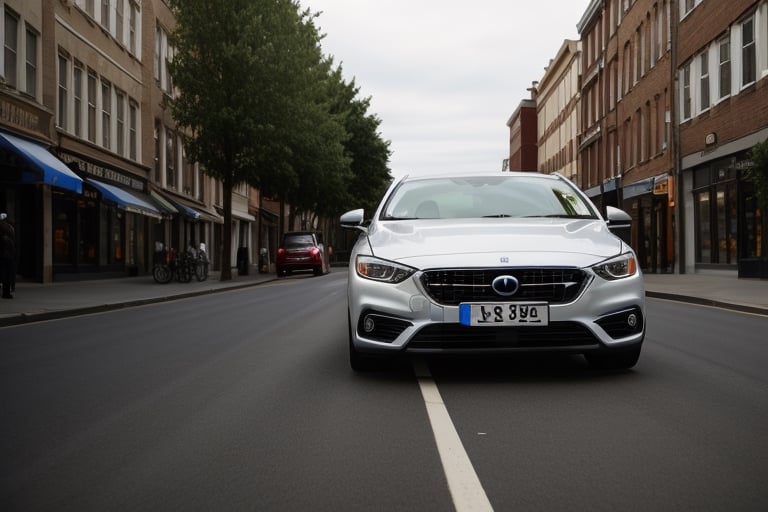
x=242 y=261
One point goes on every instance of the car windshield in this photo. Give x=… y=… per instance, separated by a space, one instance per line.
x=296 y=241
x=486 y=196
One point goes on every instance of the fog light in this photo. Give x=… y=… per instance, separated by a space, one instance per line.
x=368 y=324
x=632 y=320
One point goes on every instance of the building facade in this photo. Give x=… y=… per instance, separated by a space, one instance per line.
x=558 y=113
x=645 y=156
x=723 y=112
x=600 y=169
x=522 y=136
x=92 y=168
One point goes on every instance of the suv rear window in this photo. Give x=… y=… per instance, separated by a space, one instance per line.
x=291 y=241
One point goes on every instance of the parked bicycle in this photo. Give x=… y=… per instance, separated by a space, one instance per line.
x=170 y=265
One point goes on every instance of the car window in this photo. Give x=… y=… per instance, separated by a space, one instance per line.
x=294 y=241
x=494 y=196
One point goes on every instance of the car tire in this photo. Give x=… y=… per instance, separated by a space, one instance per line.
x=318 y=270
x=280 y=272
x=614 y=359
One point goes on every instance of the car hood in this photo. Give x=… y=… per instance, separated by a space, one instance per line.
x=493 y=242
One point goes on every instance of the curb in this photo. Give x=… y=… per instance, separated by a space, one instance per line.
x=743 y=308
x=26 y=318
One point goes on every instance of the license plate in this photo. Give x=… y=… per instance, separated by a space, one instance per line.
x=504 y=313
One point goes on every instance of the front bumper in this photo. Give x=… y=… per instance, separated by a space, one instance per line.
x=387 y=318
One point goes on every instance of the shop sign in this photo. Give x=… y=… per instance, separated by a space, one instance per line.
x=19 y=116
x=98 y=171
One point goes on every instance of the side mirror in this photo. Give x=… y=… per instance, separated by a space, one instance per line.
x=620 y=223
x=353 y=219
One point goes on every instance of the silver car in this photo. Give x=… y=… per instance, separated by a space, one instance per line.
x=489 y=263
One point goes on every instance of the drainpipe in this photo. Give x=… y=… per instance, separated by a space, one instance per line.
x=675 y=132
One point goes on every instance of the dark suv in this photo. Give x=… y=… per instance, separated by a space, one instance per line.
x=302 y=250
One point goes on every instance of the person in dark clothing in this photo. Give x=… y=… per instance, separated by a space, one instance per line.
x=7 y=256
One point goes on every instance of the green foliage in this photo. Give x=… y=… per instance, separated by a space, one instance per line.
x=758 y=174
x=260 y=104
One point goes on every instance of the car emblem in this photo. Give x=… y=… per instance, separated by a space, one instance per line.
x=505 y=285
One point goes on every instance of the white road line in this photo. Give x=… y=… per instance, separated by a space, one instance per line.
x=466 y=491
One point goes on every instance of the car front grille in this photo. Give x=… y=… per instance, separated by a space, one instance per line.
x=456 y=336
x=450 y=287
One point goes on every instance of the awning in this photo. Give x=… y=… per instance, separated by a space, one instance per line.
x=45 y=167
x=193 y=211
x=185 y=210
x=125 y=199
x=164 y=203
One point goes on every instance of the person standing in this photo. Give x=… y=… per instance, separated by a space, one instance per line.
x=7 y=256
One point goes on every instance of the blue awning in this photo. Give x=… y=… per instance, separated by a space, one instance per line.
x=46 y=168
x=125 y=199
x=185 y=210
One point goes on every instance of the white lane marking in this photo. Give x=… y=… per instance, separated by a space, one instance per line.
x=466 y=491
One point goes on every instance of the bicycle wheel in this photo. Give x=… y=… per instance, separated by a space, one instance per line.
x=162 y=274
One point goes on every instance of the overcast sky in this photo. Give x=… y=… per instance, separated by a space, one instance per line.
x=445 y=76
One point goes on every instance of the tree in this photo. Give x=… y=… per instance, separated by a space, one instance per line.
x=242 y=68
x=368 y=151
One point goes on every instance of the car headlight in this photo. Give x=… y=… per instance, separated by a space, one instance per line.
x=618 y=267
x=385 y=271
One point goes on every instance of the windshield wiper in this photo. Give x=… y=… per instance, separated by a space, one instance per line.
x=497 y=216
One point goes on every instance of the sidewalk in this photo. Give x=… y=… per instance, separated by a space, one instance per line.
x=35 y=301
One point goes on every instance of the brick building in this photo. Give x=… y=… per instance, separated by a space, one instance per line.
x=522 y=136
x=723 y=112
x=644 y=99
x=600 y=173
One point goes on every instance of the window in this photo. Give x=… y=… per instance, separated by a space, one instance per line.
x=61 y=111
x=106 y=114
x=132 y=127
x=158 y=149
x=11 y=48
x=119 y=7
x=105 y=14
x=725 y=67
x=92 y=107
x=90 y=7
x=158 y=50
x=638 y=57
x=686 y=106
x=748 y=62
x=170 y=158
x=77 y=91
x=31 y=64
x=120 y=115
x=132 y=29
x=704 y=81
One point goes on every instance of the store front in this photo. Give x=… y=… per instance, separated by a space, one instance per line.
x=728 y=224
x=108 y=230
x=34 y=184
x=647 y=202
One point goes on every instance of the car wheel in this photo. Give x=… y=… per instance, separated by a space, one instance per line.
x=318 y=270
x=280 y=272
x=615 y=359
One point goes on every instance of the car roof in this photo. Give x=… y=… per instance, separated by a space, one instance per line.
x=477 y=174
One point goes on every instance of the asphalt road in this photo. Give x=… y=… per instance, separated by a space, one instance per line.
x=244 y=400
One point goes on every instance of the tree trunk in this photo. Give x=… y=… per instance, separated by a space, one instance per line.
x=226 y=249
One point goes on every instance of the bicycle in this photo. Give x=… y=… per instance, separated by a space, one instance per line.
x=164 y=267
